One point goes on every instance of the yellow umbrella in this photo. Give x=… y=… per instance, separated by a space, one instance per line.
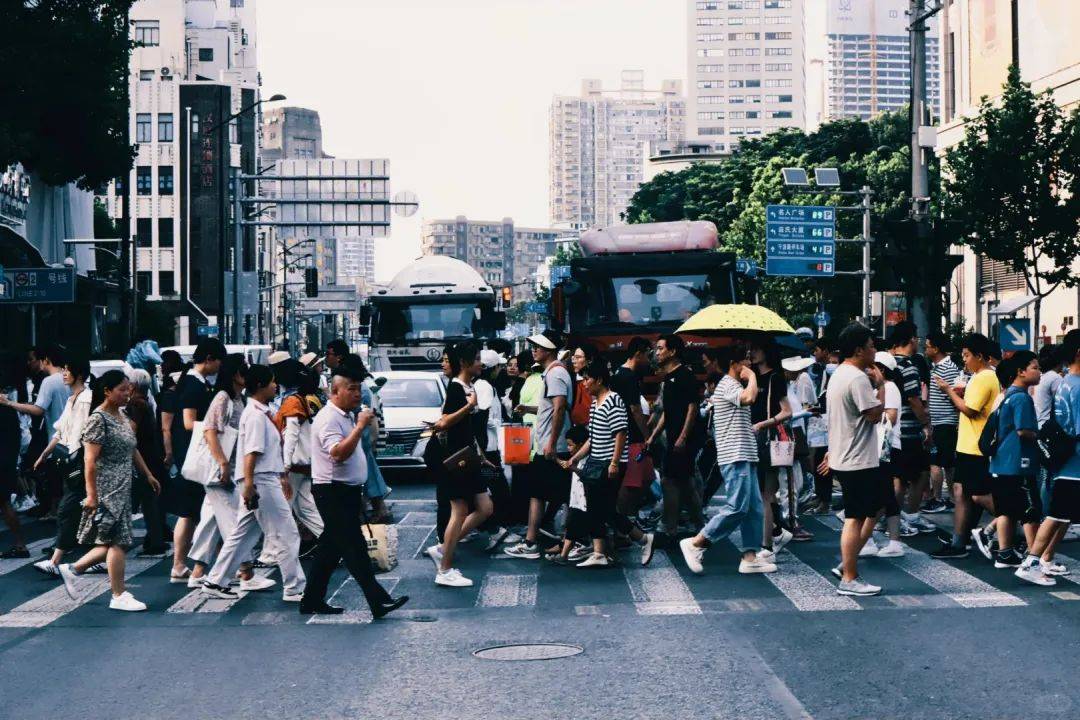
x=722 y=319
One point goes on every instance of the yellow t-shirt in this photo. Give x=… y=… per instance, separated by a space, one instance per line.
x=981 y=394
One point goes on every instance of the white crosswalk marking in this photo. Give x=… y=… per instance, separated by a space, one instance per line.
x=349 y=596
x=806 y=588
x=1074 y=569
x=964 y=589
x=13 y=564
x=659 y=589
x=416 y=518
x=54 y=604
x=498 y=590
x=197 y=601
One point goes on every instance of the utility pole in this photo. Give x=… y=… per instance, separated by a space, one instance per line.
x=866 y=193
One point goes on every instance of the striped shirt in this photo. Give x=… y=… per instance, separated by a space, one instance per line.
x=942 y=410
x=910 y=385
x=731 y=424
x=606 y=420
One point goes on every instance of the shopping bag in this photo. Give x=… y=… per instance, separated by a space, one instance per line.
x=782 y=450
x=199 y=465
x=382 y=543
x=517 y=444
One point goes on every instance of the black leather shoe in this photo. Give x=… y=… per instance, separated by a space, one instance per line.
x=321 y=609
x=385 y=608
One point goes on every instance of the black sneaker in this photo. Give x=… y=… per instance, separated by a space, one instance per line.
x=14 y=553
x=949 y=552
x=217 y=591
x=933 y=507
x=982 y=542
x=1007 y=559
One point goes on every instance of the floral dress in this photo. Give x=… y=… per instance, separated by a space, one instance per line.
x=111 y=524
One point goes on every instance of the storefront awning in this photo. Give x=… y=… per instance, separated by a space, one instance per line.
x=1011 y=305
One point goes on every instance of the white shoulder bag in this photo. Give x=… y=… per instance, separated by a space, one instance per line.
x=199 y=464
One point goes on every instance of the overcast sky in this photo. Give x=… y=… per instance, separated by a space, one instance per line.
x=456 y=92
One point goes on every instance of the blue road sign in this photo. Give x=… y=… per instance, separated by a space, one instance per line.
x=746 y=267
x=536 y=307
x=798 y=267
x=822 y=318
x=799 y=231
x=800 y=214
x=38 y=285
x=559 y=273
x=207 y=331
x=1014 y=334
x=806 y=249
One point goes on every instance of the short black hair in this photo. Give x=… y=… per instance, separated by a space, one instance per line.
x=588 y=349
x=1070 y=346
x=729 y=354
x=822 y=343
x=55 y=354
x=79 y=366
x=853 y=338
x=995 y=350
x=940 y=340
x=977 y=344
x=674 y=343
x=578 y=434
x=713 y=378
x=350 y=371
x=461 y=353
x=355 y=364
x=1008 y=369
x=208 y=349
x=338 y=347
x=524 y=360
x=1049 y=357
x=902 y=334
x=257 y=377
x=598 y=370
x=637 y=344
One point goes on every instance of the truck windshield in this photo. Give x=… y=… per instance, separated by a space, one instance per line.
x=402 y=323
x=641 y=300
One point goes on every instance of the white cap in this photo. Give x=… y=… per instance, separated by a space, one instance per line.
x=805 y=333
x=542 y=341
x=796 y=364
x=277 y=357
x=884 y=358
x=308 y=359
x=490 y=358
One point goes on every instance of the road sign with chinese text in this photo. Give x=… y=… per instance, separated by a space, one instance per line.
x=800 y=240
x=38 y=285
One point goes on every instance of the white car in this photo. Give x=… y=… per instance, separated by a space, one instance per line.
x=409 y=398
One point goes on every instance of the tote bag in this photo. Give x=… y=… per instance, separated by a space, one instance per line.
x=199 y=465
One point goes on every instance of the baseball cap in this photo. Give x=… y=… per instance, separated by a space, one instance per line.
x=885 y=359
x=490 y=358
x=805 y=333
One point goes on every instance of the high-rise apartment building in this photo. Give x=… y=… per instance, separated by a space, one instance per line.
x=597 y=142
x=868 y=55
x=746 y=67
x=193 y=66
x=503 y=253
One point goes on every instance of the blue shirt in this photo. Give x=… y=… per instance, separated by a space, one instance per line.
x=1015 y=455
x=52 y=397
x=1067 y=409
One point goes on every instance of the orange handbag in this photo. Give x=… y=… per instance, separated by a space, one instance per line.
x=517 y=444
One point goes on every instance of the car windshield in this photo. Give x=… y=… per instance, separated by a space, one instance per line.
x=641 y=300
x=411 y=393
x=397 y=323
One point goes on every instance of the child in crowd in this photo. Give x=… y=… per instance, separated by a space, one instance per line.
x=575 y=543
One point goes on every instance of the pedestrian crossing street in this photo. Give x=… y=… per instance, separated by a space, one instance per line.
x=503 y=584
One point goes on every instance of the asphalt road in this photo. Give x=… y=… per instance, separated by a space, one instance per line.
x=945 y=640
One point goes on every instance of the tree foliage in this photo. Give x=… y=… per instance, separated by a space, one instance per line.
x=64 y=89
x=1013 y=185
x=733 y=195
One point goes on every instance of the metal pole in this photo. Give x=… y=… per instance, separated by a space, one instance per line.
x=33 y=324
x=866 y=193
x=237 y=321
x=921 y=305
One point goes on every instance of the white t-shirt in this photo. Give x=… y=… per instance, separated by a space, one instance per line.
x=853 y=439
x=486 y=399
x=893 y=402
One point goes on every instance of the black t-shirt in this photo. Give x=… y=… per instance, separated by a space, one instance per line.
x=191 y=393
x=461 y=434
x=627 y=385
x=770 y=383
x=680 y=394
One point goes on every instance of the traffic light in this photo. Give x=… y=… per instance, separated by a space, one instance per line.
x=507 y=295
x=311 y=282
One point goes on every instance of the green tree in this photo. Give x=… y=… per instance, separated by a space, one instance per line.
x=64 y=89
x=1013 y=185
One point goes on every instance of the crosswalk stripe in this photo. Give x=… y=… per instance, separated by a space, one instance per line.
x=13 y=564
x=1074 y=568
x=806 y=588
x=417 y=518
x=54 y=604
x=349 y=596
x=197 y=601
x=659 y=589
x=500 y=590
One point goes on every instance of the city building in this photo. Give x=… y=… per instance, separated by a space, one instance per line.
x=503 y=253
x=597 y=142
x=867 y=58
x=673 y=157
x=746 y=68
x=980 y=40
x=192 y=68
x=291 y=132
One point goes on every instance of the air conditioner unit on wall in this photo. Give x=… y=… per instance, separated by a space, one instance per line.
x=166 y=71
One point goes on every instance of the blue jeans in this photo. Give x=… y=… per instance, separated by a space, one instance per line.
x=742 y=507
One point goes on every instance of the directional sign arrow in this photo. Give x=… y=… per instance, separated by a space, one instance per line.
x=1018 y=336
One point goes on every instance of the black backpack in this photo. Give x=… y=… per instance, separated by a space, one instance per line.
x=1055 y=445
x=988 y=439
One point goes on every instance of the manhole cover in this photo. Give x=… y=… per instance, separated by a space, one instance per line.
x=420 y=618
x=528 y=651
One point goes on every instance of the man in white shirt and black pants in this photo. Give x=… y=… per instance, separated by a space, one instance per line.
x=265 y=492
x=338 y=474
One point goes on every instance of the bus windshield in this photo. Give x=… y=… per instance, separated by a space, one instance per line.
x=644 y=299
x=397 y=323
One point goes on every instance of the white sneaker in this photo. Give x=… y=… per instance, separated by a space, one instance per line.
x=857 y=587
x=692 y=555
x=292 y=597
x=495 y=539
x=647 y=548
x=68 y=576
x=436 y=554
x=452 y=578
x=578 y=553
x=124 y=601
x=1053 y=569
x=840 y=515
x=524 y=550
x=196 y=582
x=766 y=554
x=838 y=571
x=47 y=567
x=779 y=541
x=594 y=560
x=893 y=548
x=750 y=567
x=256 y=583
x=468 y=537
x=1034 y=575
x=870 y=549
x=512 y=539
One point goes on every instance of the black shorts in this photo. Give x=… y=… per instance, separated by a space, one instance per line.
x=888 y=490
x=973 y=473
x=910 y=461
x=1065 y=501
x=9 y=479
x=862 y=492
x=546 y=481
x=1016 y=497
x=184 y=498
x=944 y=455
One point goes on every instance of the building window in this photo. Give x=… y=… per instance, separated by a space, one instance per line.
x=206 y=54
x=165 y=283
x=164 y=127
x=143 y=280
x=147 y=33
x=165 y=232
x=145 y=75
x=143 y=228
x=165 y=180
x=142 y=127
x=142 y=180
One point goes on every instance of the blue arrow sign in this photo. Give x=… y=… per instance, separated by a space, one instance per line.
x=1014 y=334
x=536 y=307
x=808 y=250
x=558 y=274
x=746 y=267
x=799 y=267
x=822 y=319
x=799 y=231
x=207 y=331
x=800 y=214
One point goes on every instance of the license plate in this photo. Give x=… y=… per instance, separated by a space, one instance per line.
x=396 y=450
